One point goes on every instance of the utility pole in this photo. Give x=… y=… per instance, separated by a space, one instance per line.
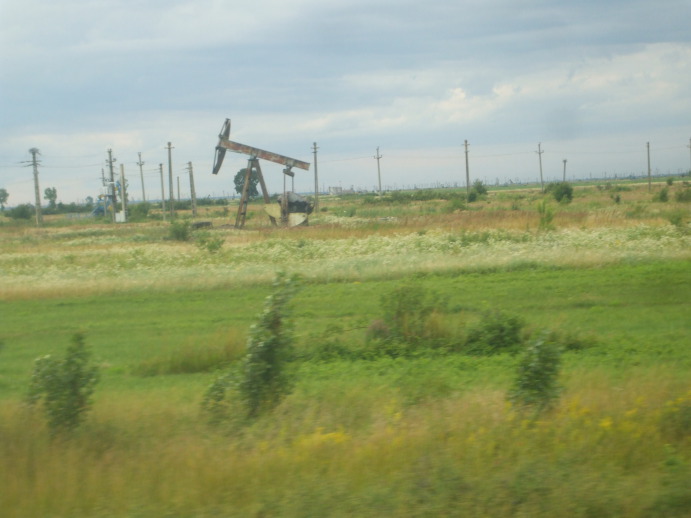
x=467 y=172
x=123 y=193
x=565 y=169
x=689 y=146
x=316 y=180
x=539 y=153
x=34 y=161
x=170 y=182
x=378 y=157
x=141 y=174
x=113 y=193
x=647 y=145
x=163 y=193
x=178 y=180
x=193 y=194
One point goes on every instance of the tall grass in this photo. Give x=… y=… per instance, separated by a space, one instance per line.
x=599 y=453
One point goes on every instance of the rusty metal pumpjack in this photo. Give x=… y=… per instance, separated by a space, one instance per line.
x=253 y=164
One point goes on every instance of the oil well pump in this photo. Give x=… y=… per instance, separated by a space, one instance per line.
x=292 y=209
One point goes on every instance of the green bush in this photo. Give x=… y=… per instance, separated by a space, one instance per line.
x=562 y=191
x=24 y=211
x=683 y=196
x=406 y=315
x=139 y=211
x=261 y=381
x=65 y=386
x=479 y=188
x=662 y=195
x=180 y=230
x=496 y=332
x=536 y=383
x=205 y=241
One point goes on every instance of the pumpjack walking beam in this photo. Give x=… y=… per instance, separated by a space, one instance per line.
x=225 y=144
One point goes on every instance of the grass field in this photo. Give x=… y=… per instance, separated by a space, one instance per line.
x=424 y=431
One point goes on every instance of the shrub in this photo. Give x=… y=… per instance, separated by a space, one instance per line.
x=456 y=203
x=140 y=211
x=562 y=191
x=406 y=314
x=24 y=211
x=65 y=386
x=261 y=381
x=180 y=230
x=683 y=196
x=676 y=218
x=496 y=332
x=206 y=242
x=479 y=187
x=536 y=383
x=662 y=195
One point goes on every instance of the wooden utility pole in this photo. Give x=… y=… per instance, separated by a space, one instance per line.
x=378 y=157
x=170 y=182
x=113 y=192
x=141 y=174
x=689 y=146
x=565 y=169
x=647 y=145
x=539 y=154
x=123 y=193
x=467 y=172
x=193 y=194
x=163 y=193
x=37 y=190
x=316 y=180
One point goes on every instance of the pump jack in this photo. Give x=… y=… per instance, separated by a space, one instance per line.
x=255 y=154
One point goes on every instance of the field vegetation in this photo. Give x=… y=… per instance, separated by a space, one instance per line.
x=514 y=355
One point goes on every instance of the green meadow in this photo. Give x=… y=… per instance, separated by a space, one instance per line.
x=371 y=427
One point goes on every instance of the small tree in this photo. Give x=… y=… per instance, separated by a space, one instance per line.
x=239 y=180
x=51 y=194
x=65 y=386
x=536 y=383
x=479 y=187
x=3 y=198
x=262 y=379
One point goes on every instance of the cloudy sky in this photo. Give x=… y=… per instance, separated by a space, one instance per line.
x=592 y=81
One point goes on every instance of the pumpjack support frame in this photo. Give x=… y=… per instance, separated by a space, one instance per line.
x=224 y=144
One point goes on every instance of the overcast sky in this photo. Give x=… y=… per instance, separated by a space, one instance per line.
x=590 y=80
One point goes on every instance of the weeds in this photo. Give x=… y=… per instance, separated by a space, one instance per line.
x=546 y=215
x=407 y=315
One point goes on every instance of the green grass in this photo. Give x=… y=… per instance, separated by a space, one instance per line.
x=427 y=434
